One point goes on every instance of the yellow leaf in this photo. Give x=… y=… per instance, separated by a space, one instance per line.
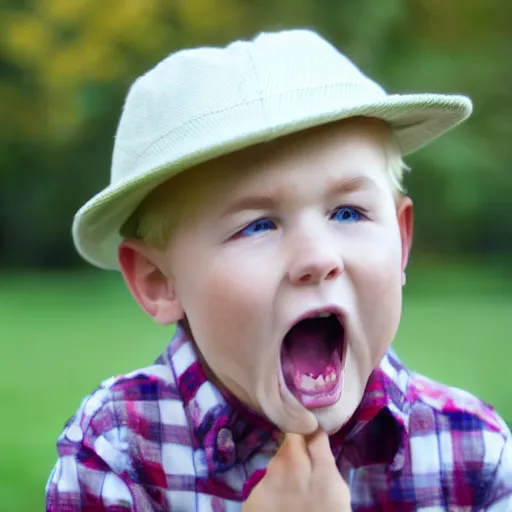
x=67 y=11
x=210 y=16
x=27 y=38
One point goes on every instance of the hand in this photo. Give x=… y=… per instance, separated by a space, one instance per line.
x=302 y=476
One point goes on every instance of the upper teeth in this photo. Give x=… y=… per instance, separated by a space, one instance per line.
x=324 y=315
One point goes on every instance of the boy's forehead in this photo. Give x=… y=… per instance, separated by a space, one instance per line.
x=251 y=163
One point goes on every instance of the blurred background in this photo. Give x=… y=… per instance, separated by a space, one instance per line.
x=65 y=66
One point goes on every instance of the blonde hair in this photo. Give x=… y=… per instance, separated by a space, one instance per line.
x=395 y=166
x=157 y=215
x=155 y=218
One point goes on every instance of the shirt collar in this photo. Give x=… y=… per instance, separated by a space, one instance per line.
x=230 y=433
x=376 y=432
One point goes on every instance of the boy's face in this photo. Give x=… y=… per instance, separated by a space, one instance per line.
x=307 y=226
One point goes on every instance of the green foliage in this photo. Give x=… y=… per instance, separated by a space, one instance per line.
x=65 y=68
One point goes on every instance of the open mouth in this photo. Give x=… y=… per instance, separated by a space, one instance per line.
x=312 y=357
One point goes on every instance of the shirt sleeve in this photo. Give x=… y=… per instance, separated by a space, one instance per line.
x=94 y=471
x=500 y=495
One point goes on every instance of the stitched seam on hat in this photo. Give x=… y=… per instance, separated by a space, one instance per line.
x=232 y=107
x=256 y=76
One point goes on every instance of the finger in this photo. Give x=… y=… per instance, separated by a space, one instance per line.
x=319 y=451
x=293 y=450
x=291 y=462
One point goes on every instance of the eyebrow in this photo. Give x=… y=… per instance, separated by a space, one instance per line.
x=345 y=186
x=268 y=201
x=253 y=202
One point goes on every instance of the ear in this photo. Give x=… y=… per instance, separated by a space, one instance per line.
x=405 y=216
x=144 y=272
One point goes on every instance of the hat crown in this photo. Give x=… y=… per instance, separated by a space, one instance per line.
x=191 y=84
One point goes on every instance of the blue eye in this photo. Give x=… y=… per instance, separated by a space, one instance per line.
x=257 y=227
x=346 y=214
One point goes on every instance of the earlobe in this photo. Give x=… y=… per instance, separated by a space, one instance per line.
x=405 y=216
x=148 y=282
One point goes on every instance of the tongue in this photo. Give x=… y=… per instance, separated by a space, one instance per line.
x=308 y=348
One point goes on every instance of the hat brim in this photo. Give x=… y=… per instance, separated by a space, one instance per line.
x=415 y=119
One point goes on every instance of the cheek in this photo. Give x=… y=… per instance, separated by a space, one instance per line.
x=232 y=294
x=379 y=292
x=224 y=303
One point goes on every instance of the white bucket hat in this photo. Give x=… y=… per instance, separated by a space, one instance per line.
x=199 y=104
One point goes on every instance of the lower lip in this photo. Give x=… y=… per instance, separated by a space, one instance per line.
x=326 y=400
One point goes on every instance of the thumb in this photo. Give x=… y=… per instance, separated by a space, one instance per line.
x=319 y=450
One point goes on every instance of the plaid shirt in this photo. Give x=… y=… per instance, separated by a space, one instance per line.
x=165 y=438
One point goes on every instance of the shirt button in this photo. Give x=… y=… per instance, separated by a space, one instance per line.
x=225 y=447
x=225 y=441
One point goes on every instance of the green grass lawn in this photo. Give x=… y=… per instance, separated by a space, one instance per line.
x=62 y=334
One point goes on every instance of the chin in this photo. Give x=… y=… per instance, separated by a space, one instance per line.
x=292 y=417
x=306 y=422
x=332 y=419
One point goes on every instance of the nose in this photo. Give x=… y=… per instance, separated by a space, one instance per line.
x=314 y=260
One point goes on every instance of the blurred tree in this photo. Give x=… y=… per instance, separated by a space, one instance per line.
x=65 y=68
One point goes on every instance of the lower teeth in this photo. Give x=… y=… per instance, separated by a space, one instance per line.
x=309 y=383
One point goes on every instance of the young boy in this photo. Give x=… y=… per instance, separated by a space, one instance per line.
x=280 y=254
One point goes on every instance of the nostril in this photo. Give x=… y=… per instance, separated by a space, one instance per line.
x=333 y=273
x=305 y=278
